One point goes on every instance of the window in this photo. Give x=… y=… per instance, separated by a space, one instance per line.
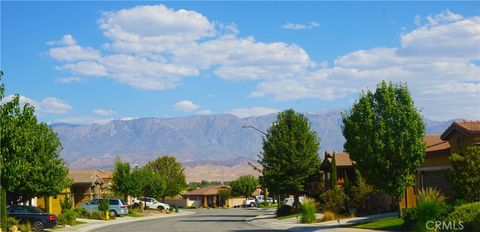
x=93 y=202
x=113 y=202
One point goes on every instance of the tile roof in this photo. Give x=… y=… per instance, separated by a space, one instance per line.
x=207 y=191
x=466 y=127
x=342 y=159
x=88 y=176
x=435 y=143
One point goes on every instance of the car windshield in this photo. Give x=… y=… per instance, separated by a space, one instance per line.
x=123 y=202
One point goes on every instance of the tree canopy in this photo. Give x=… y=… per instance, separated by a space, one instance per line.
x=244 y=186
x=146 y=183
x=122 y=182
x=384 y=136
x=290 y=154
x=171 y=171
x=465 y=176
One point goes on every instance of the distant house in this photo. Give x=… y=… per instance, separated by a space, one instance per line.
x=204 y=197
x=344 y=168
x=432 y=173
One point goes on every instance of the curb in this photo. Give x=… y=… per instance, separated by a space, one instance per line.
x=102 y=224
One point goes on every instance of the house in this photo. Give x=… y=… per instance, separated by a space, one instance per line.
x=344 y=167
x=433 y=171
x=204 y=197
x=86 y=185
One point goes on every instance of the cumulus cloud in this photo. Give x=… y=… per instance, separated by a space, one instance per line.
x=185 y=105
x=104 y=112
x=67 y=80
x=49 y=105
x=250 y=112
x=300 y=26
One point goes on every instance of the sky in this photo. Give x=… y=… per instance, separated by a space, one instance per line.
x=91 y=62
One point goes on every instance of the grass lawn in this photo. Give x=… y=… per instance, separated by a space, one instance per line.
x=290 y=216
x=390 y=223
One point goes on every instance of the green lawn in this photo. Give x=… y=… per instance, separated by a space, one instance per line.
x=390 y=223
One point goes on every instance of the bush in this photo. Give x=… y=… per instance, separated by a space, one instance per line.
x=70 y=217
x=334 y=200
x=81 y=212
x=285 y=210
x=409 y=216
x=66 y=203
x=104 y=205
x=328 y=216
x=61 y=220
x=431 y=206
x=309 y=208
x=11 y=221
x=25 y=227
x=99 y=215
x=469 y=214
x=263 y=204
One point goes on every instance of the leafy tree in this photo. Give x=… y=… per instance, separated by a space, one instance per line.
x=224 y=194
x=122 y=179
x=384 y=136
x=146 y=183
x=244 y=186
x=465 y=176
x=171 y=171
x=333 y=173
x=290 y=154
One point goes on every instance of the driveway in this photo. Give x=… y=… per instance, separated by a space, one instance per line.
x=204 y=220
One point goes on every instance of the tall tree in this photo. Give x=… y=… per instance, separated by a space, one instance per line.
x=146 y=183
x=333 y=173
x=171 y=171
x=465 y=176
x=121 y=179
x=290 y=154
x=3 y=193
x=384 y=136
x=244 y=186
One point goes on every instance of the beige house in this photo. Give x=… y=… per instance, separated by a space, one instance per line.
x=89 y=184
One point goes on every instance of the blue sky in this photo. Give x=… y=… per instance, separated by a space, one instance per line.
x=84 y=62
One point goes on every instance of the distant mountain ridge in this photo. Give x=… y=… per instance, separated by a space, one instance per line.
x=196 y=140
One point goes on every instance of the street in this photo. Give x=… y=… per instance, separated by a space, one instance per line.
x=203 y=220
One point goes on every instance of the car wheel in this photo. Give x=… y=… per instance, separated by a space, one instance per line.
x=252 y=204
x=160 y=207
x=112 y=213
x=37 y=226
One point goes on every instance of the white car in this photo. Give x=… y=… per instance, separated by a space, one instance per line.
x=289 y=201
x=152 y=203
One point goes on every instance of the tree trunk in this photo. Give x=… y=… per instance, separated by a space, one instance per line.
x=3 y=205
x=296 y=202
x=47 y=203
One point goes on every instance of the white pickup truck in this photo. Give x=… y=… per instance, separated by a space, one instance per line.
x=257 y=200
x=151 y=203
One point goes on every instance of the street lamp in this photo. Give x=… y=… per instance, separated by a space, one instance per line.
x=265 y=195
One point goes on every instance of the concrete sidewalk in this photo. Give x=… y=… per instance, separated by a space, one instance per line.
x=292 y=224
x=95 y=224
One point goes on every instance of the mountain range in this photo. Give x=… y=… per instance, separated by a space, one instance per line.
x=207 y=141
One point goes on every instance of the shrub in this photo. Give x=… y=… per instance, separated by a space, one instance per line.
x=263 y=204
x=328 y=216
x=431 y=206
x=99 y=215
x=104 y=205
x=285 y=210
x=334 y=201
x=66 y=203
x=360 y=193
x=409 y=216
x=70 y=217
x=25 y=227
x=81 y=212
x=469 y=214
x=11 y=221
x=61 y=220
x=309 y=208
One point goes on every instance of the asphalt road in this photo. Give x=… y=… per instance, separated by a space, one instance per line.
x=204 y=220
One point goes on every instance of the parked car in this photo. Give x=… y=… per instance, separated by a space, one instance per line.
x=36 y=217
x=152 y=203
x=256 y=200
x=117 y=206
x=289 y=201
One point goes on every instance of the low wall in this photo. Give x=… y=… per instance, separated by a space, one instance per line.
x=236 y=201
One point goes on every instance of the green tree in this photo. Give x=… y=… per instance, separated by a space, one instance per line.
x=122 y=179
x=146 y=183
x=333 y=173
x=171 y=171
x=244 y=186
x=384 y=136
x=290 y=154
x=224 y=195
x=465 y=177
x=3 y=193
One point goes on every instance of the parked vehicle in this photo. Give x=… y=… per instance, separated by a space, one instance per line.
x=117 y=206
x=36 y=217
x=289 y=201
x=256 y=200
x=152 y=203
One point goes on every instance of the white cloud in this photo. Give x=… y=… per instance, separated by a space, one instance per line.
x=300 y=26
x=104 y=112
x=74 y=53
x=254 y=111
x=49 y=105
x=67 y=40
x=204 y=112
x=67 y=80
x=86 y=68
x=185 y=105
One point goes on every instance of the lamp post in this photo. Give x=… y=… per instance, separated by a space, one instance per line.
x=265 y=195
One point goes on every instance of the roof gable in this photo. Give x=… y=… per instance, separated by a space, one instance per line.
x=465 y=127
